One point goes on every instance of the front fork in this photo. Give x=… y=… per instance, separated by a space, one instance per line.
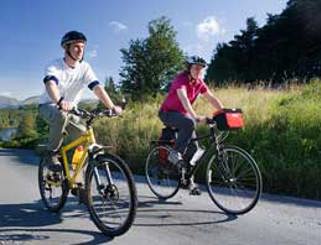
x=105 y=168
x=100 y=185
x=221 y=158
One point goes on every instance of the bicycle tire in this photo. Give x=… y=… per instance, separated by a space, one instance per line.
x=234 y=188
x=46 y=182
x=109 y=197
x=162 y=177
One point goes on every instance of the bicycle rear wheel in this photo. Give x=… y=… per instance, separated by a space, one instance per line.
x=53 y=187
x=111 y=195
x=234 y=182
x=162 y=177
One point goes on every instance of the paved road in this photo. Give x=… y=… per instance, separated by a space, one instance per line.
x=181 y=220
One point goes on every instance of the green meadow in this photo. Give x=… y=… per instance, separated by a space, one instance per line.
x=282 y=133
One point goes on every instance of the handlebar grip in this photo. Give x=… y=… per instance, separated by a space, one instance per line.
x=109 y=113
x=79 y=112
x=85 y=114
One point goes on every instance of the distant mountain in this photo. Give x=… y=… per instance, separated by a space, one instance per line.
x=31 y=100
x=7 y=102
x=89 y=101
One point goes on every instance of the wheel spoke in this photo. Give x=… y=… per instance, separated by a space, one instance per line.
x=162 y=176
x=52 y=189
x=112 y=201
x=239 y=190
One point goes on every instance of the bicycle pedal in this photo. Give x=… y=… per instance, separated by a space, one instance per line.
x=181 y=165
x=101 y=187
x=82 y=196
x=74 y=191
x=54 y=177
x=80 y=193
x=184 y=182
x=195 y=192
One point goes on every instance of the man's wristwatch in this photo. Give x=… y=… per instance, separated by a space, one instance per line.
x=59 y=101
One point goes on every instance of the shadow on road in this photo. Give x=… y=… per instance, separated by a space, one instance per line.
x=152 y=213
x=21 y=155
x=26 y=214
x=19 y=222
x=22 y=235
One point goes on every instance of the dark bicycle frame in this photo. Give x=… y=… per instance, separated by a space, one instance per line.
x=216 y=144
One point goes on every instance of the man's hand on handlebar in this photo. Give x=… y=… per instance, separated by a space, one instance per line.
x=65 y=106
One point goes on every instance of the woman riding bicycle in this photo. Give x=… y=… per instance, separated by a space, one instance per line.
x=176 y=111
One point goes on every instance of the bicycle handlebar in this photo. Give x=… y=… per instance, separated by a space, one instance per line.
x=95 y=113
x=210 y=121
x=90 y=115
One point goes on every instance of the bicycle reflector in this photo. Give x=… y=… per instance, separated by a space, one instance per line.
x=229 y=119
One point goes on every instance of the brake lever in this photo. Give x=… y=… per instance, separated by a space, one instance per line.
x=109 y=113
x=80 y=113
x=209 y=120
x=75 y=111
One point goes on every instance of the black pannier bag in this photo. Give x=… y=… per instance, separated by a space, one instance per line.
x=168 y=137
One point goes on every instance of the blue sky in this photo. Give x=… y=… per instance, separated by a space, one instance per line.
x=31 y=31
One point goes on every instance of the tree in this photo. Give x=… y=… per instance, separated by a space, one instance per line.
x=110 y=85
x=9 y=118
x=288 y=46
x=151 y=63
x=233 y=61
x=113 y=92
x=26 y=128
x=42 y=126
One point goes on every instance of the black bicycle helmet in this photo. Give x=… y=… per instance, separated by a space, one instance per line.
x=192 y=60
x=71 y=37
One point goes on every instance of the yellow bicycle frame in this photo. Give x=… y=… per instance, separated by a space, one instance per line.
x=87 y=139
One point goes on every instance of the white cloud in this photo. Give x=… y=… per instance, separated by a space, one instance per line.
x=208 y=28
x=118 y=26
x=208 y=33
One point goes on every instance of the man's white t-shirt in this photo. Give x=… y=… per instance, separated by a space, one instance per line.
x=70 y=81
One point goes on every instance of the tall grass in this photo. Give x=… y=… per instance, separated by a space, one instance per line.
x=282 y=133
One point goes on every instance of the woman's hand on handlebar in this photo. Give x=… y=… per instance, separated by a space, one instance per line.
x=200 y=119
x=117 y=110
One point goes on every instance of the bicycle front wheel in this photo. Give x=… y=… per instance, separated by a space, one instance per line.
x=162 y=177
x=53 y=187
x=111 y=195
x=234 y=180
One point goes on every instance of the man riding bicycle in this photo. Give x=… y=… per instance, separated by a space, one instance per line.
x=65 y=79
x=176 y=111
